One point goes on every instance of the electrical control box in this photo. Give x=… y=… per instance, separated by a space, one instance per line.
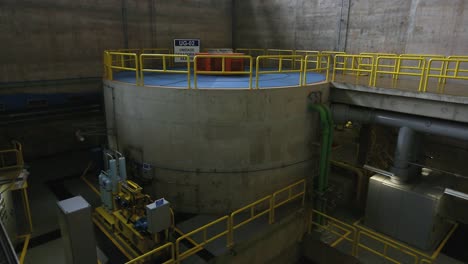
x=158 y=215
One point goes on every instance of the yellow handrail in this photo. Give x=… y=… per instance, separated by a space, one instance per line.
x=164 y=65
x=386 y=245
x=398 y=68
x=26 y=238
x=223 y=70
x=356 y=64
x=322 y=63
x=142 y=258
x=17 y=152
x=445 y=73
x=280 y=58
x=431 y=257
x=183 y=255
x=349 y=229
x=289 y=189
x=121 y=55
x=253 y=215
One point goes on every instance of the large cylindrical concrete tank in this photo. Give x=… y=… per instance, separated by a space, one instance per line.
x=214 y=151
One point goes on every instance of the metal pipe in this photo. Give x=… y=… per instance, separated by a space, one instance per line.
x=344 y=113
x=361 y=180
x=326 y=122
x=407 y=149
x=404 y=155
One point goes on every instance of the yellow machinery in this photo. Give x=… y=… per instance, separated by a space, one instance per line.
x=131 y=219
x=13 y=185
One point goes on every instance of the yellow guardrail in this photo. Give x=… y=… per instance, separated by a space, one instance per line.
x=164 y=69
x=276 y=52
x=426 y=58
x=12 y=158
x=261 y=207
x=122 y=59
x=380 y=54
x=251 y=208
x=357 y=65
x=24 y=250
x=148 y=256
x=280 y=69
x=384 y=252
x=377 y=54
x=330 y=224
x=332 y=53
x=251 y=52
x=205 y=239
x=156 y=51
x=281 y=52
x=454 y=68
x=398 y=67
x=321 y=63
x=293 y=191
x=388 y=242
x=225 y=70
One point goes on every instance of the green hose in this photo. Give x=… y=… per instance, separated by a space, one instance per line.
x=326 y=122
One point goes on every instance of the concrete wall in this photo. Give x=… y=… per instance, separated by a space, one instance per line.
x=398 y=26
x=65 y=39
x=215 y=150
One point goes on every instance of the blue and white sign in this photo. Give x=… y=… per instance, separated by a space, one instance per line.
x=186 y=47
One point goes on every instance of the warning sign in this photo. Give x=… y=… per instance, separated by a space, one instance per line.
x=186 y=47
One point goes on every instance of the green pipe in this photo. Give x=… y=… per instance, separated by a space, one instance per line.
x=326 y=123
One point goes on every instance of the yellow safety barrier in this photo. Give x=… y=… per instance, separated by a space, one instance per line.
x=332 y=53
x=252 y=208
x=123 y=59
x=377 y=54
x=388 y=242
x=12 y=158
x=280 y=69
x=454 y=68
x=386 y=245
x=225 y=69
x=350 y=232
x=426 y=58
x=281 y=52
x=156 y=51
x=354 y=64
x=398 y=67
x=299 y=189
x=276 y=52
x=163 y=58
x=205 y=239
x=148 y=256
x=321 y=63
x=251 y=52
x=26 y=239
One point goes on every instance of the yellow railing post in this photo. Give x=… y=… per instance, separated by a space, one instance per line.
x=195 y=63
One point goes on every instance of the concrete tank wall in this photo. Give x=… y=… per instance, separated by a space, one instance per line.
x=215 y=150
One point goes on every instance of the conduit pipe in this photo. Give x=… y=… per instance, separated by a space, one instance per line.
x=406 y=149
x=361 y=180
x=326 y=123
x=344 y=113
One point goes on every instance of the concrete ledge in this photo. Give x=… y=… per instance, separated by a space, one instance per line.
x=454 y=108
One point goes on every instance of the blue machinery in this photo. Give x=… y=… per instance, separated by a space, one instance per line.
x=130 y=218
